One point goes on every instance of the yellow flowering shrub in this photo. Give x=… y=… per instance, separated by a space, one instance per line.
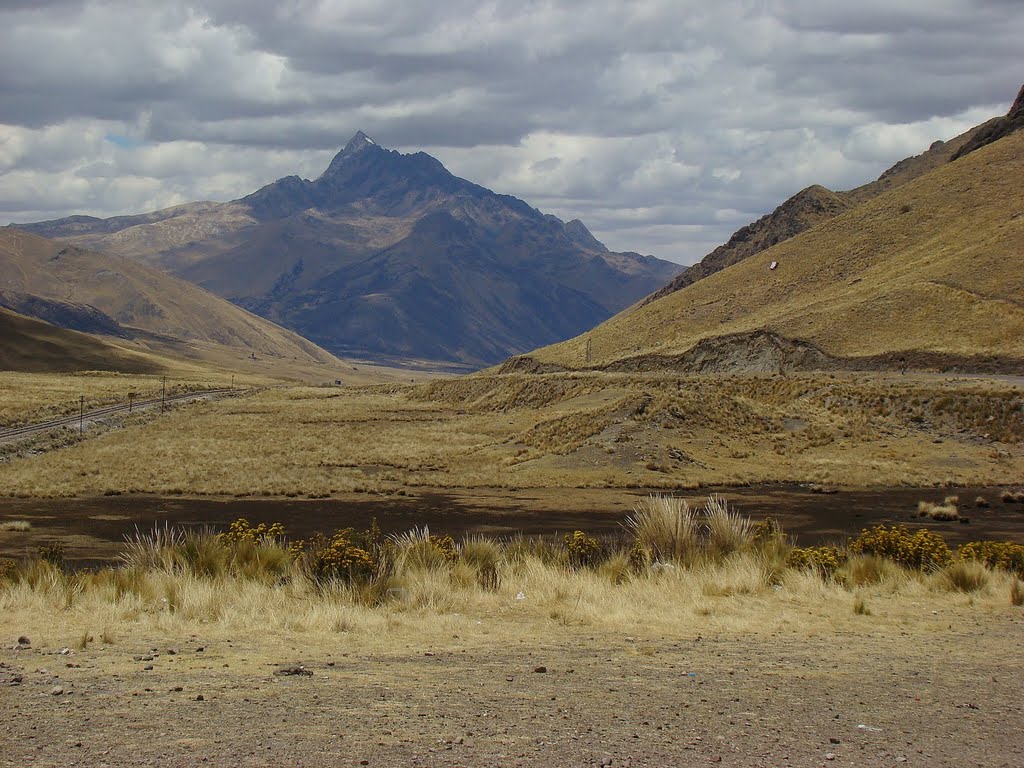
x=1005 y=555
x=824 y=560
x=584 y=551
x=920 y=550
x=337 y=558
x=242 y=530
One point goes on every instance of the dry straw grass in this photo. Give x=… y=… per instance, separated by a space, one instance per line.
x=171 y=581
x=566 y=430
x=927 y=266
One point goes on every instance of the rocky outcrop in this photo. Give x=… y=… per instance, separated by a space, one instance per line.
x=997 y=129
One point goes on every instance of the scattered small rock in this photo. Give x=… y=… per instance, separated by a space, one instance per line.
x=833 y=740
x=540 y=670
x=57 y=690
x=823 y=489
x=177 y=689
x=23 y=640
x=200 y=697
x=148 y=667
x=296 y=671
x=830 y=755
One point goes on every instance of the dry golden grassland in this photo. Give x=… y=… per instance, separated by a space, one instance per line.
x=716 y=568
x=933 y=265
x=26 y=398
x=557 y=430
x=362 y=646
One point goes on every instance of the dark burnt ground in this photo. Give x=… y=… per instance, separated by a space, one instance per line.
x=93 y=529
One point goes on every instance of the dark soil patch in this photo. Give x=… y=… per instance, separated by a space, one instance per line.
x=93 y=529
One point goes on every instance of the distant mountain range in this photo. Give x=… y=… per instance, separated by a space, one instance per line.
x=387 y=255
x=923 y=268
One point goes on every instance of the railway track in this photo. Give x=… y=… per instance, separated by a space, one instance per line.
x=80 y=419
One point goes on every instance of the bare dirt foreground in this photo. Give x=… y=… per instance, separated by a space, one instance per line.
x=943 y=689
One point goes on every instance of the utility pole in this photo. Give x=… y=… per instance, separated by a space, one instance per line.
x=131 y=398
x=81 y=414
x=163 y=395
x=588 y=350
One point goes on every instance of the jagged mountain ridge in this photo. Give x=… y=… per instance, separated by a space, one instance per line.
x=389 y=254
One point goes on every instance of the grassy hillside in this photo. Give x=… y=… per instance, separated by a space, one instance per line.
x=145 y=302
x=932 y=267
x=33 y=346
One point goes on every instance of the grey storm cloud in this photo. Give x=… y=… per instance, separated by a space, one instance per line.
x=663 y=124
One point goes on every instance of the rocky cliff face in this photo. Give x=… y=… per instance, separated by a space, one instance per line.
x=997 y=129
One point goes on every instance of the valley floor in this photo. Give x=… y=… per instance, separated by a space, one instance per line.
x=553 y=431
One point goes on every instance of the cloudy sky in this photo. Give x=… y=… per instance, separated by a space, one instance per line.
x=663 y=124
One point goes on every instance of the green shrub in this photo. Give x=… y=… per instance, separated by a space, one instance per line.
x=920 y=550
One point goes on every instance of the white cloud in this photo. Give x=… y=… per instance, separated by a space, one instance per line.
x=663 y=124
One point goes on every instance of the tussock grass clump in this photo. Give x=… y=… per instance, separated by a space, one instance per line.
x=946 y=511
x=862 y=570
x=418 y=549
x=727 y=531
x=483 y=557
x=665 y=527
x=665 y=530
x=964 y=576
x=18 y=526
x=1017 y=592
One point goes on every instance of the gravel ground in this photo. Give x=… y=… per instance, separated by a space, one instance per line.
x=925 y=696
